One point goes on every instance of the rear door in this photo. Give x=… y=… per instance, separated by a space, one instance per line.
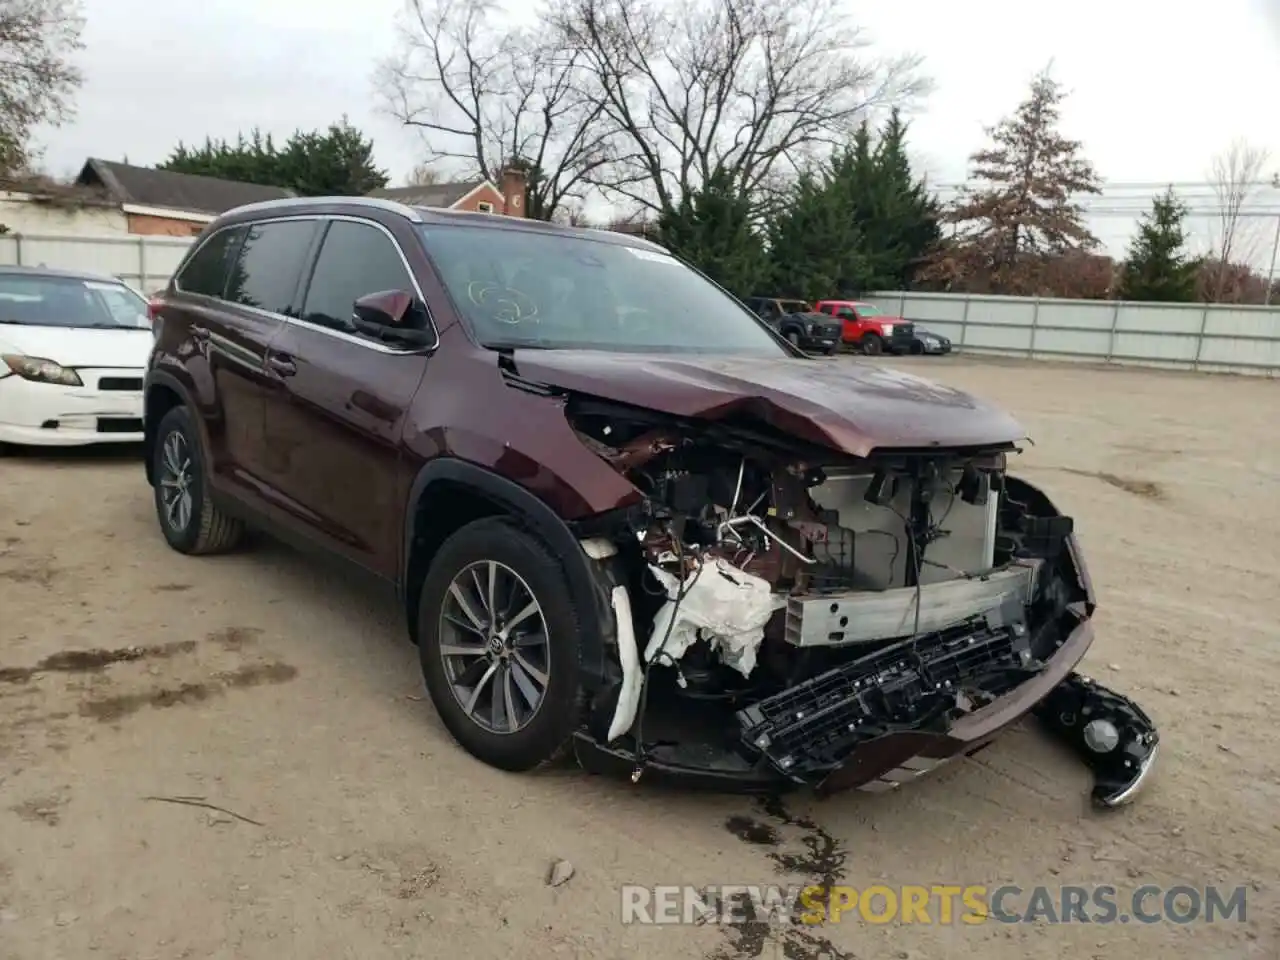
x=263 y=280
x=335 y=433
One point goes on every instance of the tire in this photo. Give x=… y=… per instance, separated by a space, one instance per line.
x=794 y=339
x=200 y=528
x=829 y=351
x=871 y=344
x=917 y=348
x=546 y=728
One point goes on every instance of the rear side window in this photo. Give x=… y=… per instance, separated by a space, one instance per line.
x=355 y=259
x=267 y=272
x=206 y=271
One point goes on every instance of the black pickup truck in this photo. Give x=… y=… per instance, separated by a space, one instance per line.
x=797 y=321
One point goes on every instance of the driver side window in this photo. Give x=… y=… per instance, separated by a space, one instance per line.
x=846 y=313
x=356 y=259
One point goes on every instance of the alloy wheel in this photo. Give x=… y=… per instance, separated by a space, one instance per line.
x=495 y=648
x=176 y=479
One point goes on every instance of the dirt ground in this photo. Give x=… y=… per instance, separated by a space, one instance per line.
x=268 y=685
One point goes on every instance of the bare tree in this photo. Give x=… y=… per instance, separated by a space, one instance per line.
x=423 y=175
x=1236 y=175
x=37 y=78
x=491 y=96
x=747 y=88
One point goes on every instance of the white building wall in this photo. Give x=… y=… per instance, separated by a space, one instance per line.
x=23 y=215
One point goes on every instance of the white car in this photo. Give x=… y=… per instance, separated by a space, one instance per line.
x=73 y=350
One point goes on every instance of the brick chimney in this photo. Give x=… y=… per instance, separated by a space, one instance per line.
x=514 y=190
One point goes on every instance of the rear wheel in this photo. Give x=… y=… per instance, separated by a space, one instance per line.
x=794 y=339
x=917 y=347
x=871 y=344
x=188 y=518
x=498 y=640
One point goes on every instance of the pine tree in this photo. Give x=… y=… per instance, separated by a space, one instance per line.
x=712 y=228
x=1158 y=268
x=897 y=214
x=1023 y=211
x=815 y=246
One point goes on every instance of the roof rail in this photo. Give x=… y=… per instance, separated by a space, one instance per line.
x=378 y=203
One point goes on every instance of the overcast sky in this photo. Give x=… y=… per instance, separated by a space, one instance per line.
x=1156 y=89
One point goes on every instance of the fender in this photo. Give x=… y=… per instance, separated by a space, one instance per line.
x=586 y=589
x=789 y=323
x=162 y=378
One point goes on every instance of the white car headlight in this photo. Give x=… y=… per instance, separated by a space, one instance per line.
x=886 y=329
x=39 y=370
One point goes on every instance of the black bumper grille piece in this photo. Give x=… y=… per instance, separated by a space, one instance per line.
x=812 y=727
x=120 y=383
x=119 y=425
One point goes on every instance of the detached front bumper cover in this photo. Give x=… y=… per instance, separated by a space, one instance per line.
x=1111 y=733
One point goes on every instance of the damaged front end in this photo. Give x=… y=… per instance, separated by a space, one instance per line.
x=791 y=615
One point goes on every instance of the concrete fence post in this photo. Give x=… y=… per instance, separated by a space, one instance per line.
x=1115 y=323
x=1204 y=325
x=17 y=249
x=142 y=264
x=964 y=320
x=1035 y=322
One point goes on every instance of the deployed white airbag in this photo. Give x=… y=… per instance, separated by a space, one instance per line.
x=728 y=606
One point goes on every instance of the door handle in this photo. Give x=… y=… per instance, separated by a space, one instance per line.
x=199 y=333
x=282 y=365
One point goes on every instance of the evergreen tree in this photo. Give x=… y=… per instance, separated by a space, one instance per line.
x=712 y=229
x=815 y=244
x=893 y=210
x=1023 y=209
x=338 y=161
x=1158 y=268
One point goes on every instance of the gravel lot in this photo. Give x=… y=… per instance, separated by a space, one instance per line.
x=273 y=687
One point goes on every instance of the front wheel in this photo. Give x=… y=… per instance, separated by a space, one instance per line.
x=872 y=345
x=917 y=348
x=794 y=339
x=498 y=640
x=188 y=518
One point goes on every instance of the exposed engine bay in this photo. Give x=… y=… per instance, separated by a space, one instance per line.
x=790 y=606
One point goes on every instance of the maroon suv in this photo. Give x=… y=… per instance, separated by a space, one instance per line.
x=627 y=519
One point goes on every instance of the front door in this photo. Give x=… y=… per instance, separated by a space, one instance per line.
x=335 y=454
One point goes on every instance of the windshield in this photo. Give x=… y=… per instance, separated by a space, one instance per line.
x=517 y=288
x=868 y=310
x=38 y=301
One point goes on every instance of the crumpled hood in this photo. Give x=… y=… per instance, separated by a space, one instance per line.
x=121 y=347
x=851 y=406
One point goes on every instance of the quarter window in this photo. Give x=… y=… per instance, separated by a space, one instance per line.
x=206 y=271
x=270 y=264
x=356 y=259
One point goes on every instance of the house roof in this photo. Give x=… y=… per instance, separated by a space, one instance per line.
x=443 y=195
x=174 y=191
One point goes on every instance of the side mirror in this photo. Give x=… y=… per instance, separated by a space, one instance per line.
x=387 y=315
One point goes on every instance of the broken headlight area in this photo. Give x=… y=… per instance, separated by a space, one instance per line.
x=800 y=617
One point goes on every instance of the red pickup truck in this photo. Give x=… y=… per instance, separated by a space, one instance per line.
x=864 y=326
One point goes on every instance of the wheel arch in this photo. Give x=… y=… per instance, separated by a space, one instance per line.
x=448 y=493
x=163 y=392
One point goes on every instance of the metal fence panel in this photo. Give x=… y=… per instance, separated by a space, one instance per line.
x=1219 y=337
x=142 y=261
